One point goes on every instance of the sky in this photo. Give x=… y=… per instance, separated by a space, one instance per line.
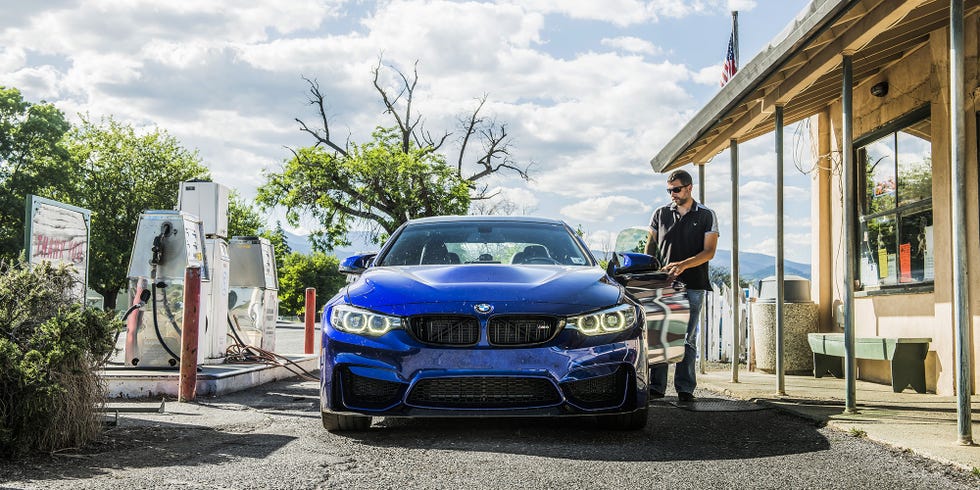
x=590 y=91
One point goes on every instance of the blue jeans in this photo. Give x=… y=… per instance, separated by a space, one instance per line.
x=684 y=381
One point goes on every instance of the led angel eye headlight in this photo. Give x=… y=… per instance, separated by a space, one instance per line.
x=351 y=319
x=615 y=319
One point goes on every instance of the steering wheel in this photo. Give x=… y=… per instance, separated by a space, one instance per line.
x=540 y=260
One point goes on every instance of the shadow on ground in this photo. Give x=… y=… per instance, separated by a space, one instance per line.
x=672 y=434
x=143 y=446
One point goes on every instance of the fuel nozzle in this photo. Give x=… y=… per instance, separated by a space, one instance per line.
x=158 y=244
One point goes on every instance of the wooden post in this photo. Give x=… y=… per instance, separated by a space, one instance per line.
x=310 y=318
x=188 y=337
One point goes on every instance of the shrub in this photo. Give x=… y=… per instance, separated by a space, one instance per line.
x=50 y=350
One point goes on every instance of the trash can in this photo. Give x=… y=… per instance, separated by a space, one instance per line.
x=799 y=319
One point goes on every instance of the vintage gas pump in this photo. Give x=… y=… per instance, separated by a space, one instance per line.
x=166 y=243
x=253 y=298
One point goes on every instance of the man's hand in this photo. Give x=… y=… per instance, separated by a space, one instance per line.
x=674 y=269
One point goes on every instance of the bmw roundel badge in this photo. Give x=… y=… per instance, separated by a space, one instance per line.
x=483 y=308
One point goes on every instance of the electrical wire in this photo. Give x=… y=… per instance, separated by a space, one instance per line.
x=243 y=353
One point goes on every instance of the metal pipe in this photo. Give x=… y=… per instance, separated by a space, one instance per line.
x=704 y=304
x=957 y=147
x=850 y=362
x=780 y=292
x=736 y=289
x=309 y=318
x=187 y=382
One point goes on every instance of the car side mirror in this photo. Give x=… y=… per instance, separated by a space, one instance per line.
x=630 y=262
x=357 y=264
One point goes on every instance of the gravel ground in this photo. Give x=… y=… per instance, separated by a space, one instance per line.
x=271 y=437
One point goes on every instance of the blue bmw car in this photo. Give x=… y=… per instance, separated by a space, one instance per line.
x=496 y=316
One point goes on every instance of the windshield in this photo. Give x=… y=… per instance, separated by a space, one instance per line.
x=484 y=242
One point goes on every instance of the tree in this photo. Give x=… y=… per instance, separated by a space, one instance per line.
x=300 y=271
x=243 y=218
x=120 y=174
x=32 y=161
x=720 y=275
x=402 y=173
x=379 y=182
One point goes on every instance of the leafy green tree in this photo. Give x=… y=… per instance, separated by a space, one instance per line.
x=32 y=161
x=719 y=276
x=379 y=181
x=402 y=173
x=243 y=218
x=300 y=271
x=120 y=174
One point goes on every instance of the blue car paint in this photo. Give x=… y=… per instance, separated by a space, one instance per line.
x=559 y=291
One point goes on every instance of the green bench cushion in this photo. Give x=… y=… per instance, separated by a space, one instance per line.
x=881 y=348
x=906 y=356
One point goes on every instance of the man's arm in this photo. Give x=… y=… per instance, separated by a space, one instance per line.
x=710 y=244
x=650 y=247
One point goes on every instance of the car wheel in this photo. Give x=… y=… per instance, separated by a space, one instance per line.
x=344 y=423
x=625 y=421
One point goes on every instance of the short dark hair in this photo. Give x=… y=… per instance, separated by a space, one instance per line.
x=680 y=175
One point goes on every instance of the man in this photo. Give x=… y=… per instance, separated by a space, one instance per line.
x=684 y=234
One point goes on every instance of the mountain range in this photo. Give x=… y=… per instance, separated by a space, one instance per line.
x=752 y=266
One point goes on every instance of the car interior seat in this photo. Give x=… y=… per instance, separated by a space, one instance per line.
x=435 y=252
x=535 y=251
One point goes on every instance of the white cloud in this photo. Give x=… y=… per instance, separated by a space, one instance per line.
x=741 y=5
x=599 y=209
x=601 y=240
x=631 y=44
x=12 y=58
x=590 y=113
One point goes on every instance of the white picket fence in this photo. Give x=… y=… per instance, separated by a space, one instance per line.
x=715 y=342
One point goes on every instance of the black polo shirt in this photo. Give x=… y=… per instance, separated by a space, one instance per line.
x=682 y=237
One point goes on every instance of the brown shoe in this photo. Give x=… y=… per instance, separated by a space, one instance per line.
x=685 y=397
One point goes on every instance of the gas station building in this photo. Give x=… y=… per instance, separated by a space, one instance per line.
x=873 y=77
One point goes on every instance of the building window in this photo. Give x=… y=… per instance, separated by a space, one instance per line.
x=895 y=204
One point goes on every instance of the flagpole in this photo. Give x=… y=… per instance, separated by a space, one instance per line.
x=735 y=35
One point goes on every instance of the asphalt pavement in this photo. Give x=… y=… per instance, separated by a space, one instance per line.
x=920 y=423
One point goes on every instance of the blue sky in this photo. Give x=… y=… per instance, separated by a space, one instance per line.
x=589 y=90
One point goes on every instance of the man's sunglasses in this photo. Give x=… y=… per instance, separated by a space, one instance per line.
x=675 y=190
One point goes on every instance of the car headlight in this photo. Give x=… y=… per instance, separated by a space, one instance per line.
x=352 y=319
x=611 y=320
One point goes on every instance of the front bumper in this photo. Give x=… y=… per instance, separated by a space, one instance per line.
x=394 y=375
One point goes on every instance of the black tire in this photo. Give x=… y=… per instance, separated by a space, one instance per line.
x=345 y=423
x=625 y=421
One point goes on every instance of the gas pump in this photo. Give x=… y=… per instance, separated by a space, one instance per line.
x=253 y=297
x=166 y=243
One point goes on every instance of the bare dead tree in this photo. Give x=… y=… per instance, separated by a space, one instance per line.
x=322 y=136
x=494 y=140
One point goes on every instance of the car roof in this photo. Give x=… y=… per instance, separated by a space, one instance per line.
x=496 y=219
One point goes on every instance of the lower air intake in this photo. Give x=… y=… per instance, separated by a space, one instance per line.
x=484 y=392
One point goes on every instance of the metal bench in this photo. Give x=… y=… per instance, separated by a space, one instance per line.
x=906 y=355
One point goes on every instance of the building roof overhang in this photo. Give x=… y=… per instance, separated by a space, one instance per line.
x=799 y=70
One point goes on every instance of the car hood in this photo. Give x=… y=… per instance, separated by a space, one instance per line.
x=521 y=286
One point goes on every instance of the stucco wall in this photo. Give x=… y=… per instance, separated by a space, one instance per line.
x=920 y=79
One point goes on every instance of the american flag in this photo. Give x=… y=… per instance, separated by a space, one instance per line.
x=728 y=71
